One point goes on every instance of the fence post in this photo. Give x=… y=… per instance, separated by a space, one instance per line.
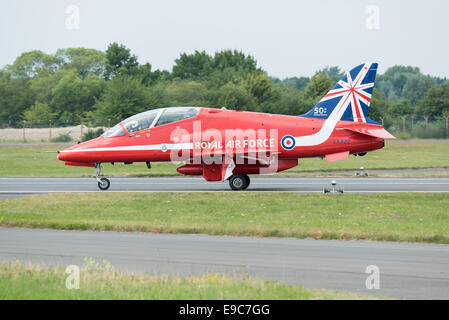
x=426 y=118
x=382 y=121
x=403 y=124
x=81 y=128
x=447 y=127
x=24 y=139
x=49 y=133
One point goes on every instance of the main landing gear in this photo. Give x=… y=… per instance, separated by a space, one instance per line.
x=103 y=183
x=239 y=182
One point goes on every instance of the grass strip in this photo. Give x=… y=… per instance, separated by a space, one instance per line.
x=96 y=282
x=413 y=217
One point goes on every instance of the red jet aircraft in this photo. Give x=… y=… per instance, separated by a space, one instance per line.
x=222 y=144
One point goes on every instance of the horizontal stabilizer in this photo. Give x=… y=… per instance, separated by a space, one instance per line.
x=337 y=156
x=374 y=131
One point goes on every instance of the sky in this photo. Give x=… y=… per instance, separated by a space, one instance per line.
x=287 y=37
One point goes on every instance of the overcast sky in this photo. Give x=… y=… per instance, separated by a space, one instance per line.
x=287 y=37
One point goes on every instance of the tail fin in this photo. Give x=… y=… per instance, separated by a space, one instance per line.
x=350 y=98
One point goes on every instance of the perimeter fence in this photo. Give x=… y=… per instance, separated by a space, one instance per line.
x=403 y=127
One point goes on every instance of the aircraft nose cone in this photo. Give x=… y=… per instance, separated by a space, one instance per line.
x=77 y=152
x=65 y=155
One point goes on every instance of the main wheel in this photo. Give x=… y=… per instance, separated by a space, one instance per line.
x=238 y=182
x=104 y=184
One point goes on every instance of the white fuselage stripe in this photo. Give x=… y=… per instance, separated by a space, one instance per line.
x=328 y=126
x=169 y=146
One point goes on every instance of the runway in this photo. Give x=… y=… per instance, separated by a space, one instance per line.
x=414 y=271
x=14 y=187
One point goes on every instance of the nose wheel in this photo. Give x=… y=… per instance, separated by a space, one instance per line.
x=239 y=182
x=103 y=183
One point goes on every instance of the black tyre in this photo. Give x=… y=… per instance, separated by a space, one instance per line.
x=238 y=182
x=104 y=184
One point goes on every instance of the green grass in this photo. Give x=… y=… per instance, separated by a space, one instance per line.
x=27 y=161
x=419 y=217
x=37 y=282
x=24 y=143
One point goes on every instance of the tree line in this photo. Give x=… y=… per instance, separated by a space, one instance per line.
x=80 y=83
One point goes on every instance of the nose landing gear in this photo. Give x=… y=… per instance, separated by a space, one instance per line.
x=103 y=183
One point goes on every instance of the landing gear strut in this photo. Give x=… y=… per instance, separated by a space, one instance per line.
x=103 y=183
x=239 y=182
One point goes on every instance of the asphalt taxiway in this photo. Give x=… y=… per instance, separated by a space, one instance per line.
x=15 y=187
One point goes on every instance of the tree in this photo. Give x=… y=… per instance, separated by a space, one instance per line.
x=125 y=96
x=85 y=61
x=318 y=86
x=393 y=81
x=416 y=87
x=120 y=61
x=286 y=100
x=186 y=93
x=379 y=106
x=259 y=86
x=34 y=64
x=149 y=77
x=228 y=66
x=333 y=72
x=436 y=101
x=38 y=112
x=42 y=88
x=191 y=66
x=233 y=59
x=295 y=82
x=15 y=97
x=402 y=108
x=75 y=95
x=235 y=97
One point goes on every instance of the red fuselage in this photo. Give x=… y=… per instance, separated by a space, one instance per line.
x=196 y=135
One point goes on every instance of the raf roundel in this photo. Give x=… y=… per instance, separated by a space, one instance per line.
x=288 y=142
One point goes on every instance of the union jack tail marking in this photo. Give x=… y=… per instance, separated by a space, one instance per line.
x=352 y=95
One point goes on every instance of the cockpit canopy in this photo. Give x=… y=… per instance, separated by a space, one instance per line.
x=151 y=119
